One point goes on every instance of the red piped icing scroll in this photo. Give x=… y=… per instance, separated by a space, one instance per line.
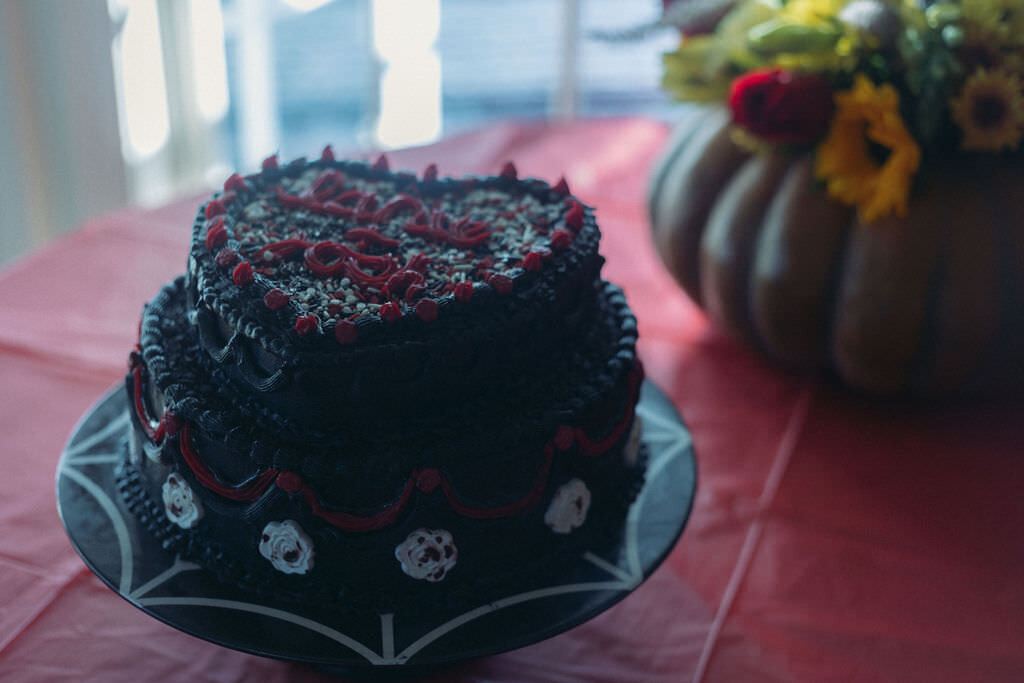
x=589 y=447
x=347 y=522
x=254 y=488
x=528 y=501
x=247 y=491
x=149 y=425
x=426 y=479
x=156 y=430
x=257 y=485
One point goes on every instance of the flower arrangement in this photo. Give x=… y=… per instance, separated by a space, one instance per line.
x=873 y=87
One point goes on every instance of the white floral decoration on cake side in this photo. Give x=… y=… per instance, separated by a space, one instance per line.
x=287 y=547
x=568 y=509
x=427 y=554
x=631 y=452
x=180 y=504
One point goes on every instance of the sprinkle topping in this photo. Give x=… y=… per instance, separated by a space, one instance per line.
x=346 y=332
x=235 y=183
x=427 y=309
x=306 y=323
x=275 y=299
x=214 y=208
x=560 y=239
x=226 y=257
x=509 y=171
x=390 y=312
x=343 y=244
x=502 y=283
x=242 y=274
x=216 y=234
x=574 y=219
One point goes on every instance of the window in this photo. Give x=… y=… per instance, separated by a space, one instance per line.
x=206 y=86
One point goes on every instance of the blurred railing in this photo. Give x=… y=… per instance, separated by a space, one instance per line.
x=170 y=95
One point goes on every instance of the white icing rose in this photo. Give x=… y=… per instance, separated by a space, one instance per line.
x=568 y=509
x=427 y=554
x=287 y=547
x=180 y=504
x=632 y=450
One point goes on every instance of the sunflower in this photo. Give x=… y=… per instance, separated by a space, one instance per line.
x=989 y=111
x=868 y=157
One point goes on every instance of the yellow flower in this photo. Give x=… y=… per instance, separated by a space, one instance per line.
x=989 y=111
x=867 y=119
x=812 y=11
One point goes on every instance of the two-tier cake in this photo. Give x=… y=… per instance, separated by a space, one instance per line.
x=372 y=387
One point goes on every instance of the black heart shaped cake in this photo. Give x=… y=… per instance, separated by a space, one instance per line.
x=371 y=387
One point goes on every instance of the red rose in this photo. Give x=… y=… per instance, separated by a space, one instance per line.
x=778 y=106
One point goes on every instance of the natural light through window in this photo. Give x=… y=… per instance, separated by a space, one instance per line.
x=144 y=90
x=404 y=36
x=306 y=5
x=208 y=65
x=205 y=86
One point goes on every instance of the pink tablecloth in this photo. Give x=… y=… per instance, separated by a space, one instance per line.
x=832 y=538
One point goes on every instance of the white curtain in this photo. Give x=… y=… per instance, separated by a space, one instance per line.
x=60 y=151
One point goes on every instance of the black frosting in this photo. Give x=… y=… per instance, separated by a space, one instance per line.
x=478 y=394
x=470 y=351
x=359 y=568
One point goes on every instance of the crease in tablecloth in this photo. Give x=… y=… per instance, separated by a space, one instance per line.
x=56 y=360
x=787 y=445
x=60 y=587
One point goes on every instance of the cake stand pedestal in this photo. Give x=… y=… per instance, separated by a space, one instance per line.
x=133 y=564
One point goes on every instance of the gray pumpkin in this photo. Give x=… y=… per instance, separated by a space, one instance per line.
x=930 y=305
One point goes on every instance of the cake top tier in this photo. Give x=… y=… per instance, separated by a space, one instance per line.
x=337 y=248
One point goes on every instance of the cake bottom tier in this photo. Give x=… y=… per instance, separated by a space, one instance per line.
x=439 y=532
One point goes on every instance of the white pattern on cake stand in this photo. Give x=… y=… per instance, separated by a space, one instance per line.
x=667 y=441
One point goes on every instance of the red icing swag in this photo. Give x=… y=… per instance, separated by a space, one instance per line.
x=425 y=479
x=591 y=447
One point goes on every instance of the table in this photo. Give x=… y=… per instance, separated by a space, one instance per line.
x=833 y=538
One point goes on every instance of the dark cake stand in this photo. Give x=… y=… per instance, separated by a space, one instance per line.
x=118 y=549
